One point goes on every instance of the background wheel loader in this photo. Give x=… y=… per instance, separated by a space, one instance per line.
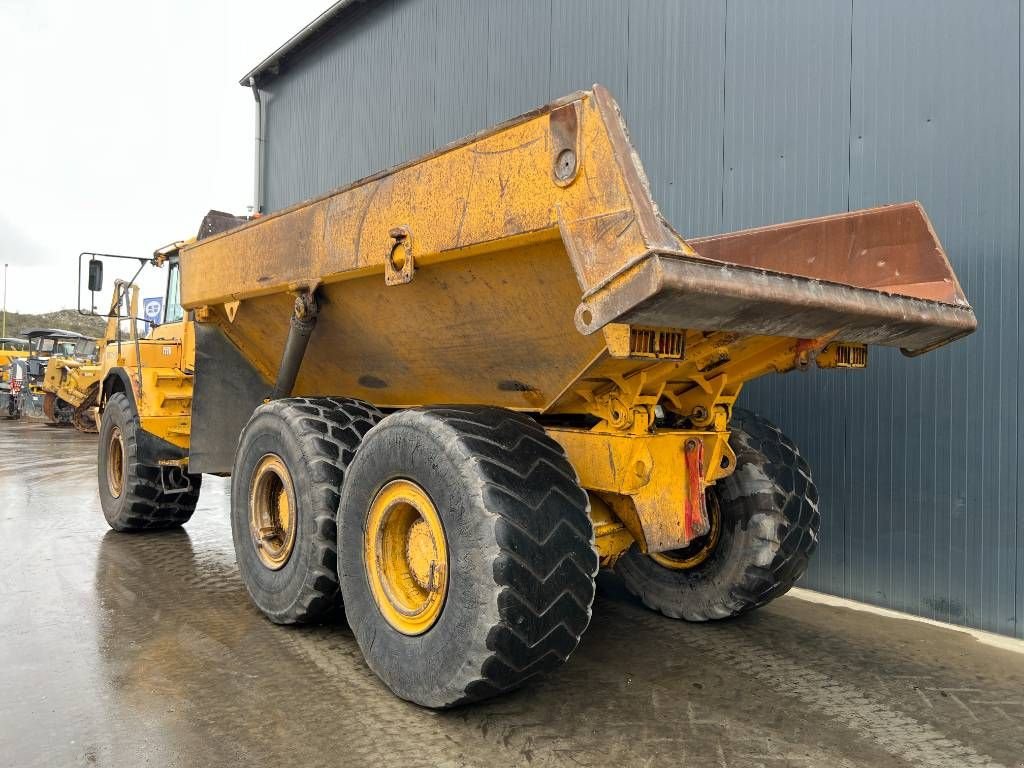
x=448 y=393
x=70 y=386
x=25 y=394
x=70 y=392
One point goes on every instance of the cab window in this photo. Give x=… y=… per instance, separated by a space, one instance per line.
x=43 y=345
x=172 y=306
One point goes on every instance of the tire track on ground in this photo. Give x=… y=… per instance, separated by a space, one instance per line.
x=899 y=734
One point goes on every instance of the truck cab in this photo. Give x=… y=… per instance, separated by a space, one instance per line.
x=146 y=380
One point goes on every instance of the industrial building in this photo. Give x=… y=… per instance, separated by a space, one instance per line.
x=746 y=113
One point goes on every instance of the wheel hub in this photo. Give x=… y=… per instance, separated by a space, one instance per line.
x=272 y=518
x=115 y=463
x=701 y=548
x=406 y=557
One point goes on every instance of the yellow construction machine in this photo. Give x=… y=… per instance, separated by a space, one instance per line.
x=448 y=393
x=10 y=348
x=24 y=394
x=149 y=376
x=70 y=392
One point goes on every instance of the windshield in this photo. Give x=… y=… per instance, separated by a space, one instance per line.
x=42 y=345
x=65 y=347
x=172 y=307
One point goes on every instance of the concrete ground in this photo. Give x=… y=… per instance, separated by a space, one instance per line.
x=133 y=650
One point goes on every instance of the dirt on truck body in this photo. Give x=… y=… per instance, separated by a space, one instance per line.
x=451 y=392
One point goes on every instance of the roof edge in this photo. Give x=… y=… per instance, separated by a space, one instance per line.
x=269 y=64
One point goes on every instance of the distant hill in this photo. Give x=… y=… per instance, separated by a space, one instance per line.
x=66 y=319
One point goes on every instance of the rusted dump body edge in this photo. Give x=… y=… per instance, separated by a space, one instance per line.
x=873 y=276
x=378 y=175
x=669 y=291
x=890 y=248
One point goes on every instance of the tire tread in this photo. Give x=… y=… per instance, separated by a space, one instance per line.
x=547 y=561
x=148 y=507
x=785 y=518
x=329 y=432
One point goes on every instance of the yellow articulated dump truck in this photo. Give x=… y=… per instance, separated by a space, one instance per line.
x=449 y=393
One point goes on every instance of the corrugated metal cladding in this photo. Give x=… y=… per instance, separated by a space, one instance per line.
x=748 y=112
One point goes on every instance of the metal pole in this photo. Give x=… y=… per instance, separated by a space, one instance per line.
x=4 y=331
x=257 y=203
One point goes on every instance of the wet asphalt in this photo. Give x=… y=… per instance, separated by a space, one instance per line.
x=143 y=650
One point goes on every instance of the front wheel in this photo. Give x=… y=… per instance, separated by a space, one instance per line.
x=764 y=528
x=132 y=495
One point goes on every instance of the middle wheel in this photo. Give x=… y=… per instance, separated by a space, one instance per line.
x=466 y=553
x=289 y=466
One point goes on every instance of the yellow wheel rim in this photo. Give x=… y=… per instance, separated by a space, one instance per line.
x=406 y=557
x=272 y=512
x=115 y=463
x=699 y=549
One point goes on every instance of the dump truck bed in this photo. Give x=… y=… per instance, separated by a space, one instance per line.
x=498 y=270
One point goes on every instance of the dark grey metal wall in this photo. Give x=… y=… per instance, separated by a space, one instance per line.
x=748 y=112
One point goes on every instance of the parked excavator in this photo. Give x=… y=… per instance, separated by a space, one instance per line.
x=447 y=394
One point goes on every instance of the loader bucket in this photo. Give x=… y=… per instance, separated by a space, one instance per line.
x=502 y=269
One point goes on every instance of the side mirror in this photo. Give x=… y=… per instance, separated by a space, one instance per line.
x=95 y=275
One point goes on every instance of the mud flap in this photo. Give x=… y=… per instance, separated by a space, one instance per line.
x=226 y=392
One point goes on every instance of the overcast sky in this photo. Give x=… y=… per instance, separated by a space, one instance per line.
x=121 y=124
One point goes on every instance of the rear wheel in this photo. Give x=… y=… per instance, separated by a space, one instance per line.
x=764 y=528
x=131 y=492
x=467 y=556
x=292 y=458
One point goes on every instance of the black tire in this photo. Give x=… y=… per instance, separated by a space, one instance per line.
x=316 y=439
x=769 y=529
x=522 y=560
x=141 y=503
